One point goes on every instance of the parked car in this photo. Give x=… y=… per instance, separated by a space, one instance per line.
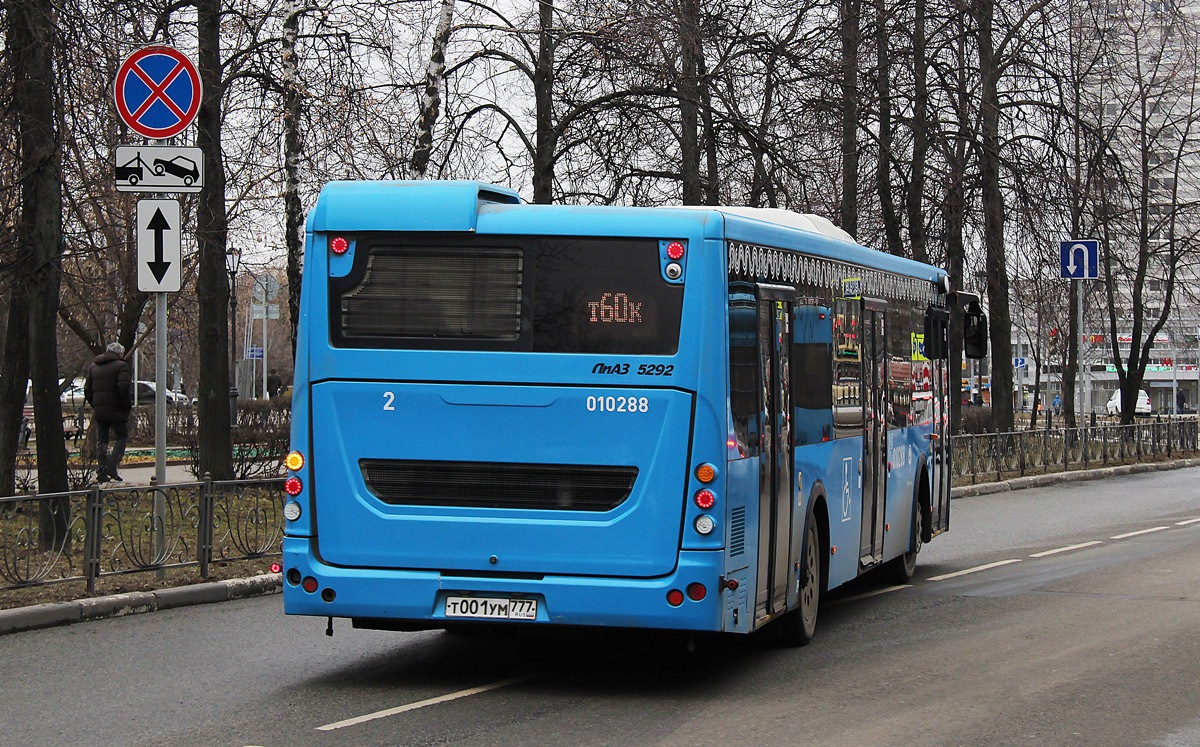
x=146 y=395
x=1141 y=408
x=73 y=396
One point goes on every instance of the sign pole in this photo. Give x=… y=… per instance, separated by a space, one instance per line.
x=1084 y=397
x=160 y=421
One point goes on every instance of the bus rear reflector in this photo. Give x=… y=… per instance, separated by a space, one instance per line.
x=674 y=597
x=309 y=584
x=696 y=591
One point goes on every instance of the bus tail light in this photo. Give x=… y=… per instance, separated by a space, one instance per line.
x=706 y=473
x=294 y=461
x=674 y=597
x=704 y=524
x=675 y=250
x=339 y=245
x=293 y=486
x=696 y=591
x=705 y=499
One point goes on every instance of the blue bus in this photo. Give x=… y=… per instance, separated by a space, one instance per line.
x=697 y=419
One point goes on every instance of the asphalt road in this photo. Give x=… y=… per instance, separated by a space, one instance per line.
x=1045 y=639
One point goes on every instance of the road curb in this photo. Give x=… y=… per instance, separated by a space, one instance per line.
x=118 y=605
x=1055 y=478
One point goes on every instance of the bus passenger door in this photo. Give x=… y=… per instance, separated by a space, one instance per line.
x=775 y=491
x=939 y=462
x=875 y=401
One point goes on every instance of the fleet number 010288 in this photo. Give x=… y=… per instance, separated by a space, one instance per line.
x=618 y=404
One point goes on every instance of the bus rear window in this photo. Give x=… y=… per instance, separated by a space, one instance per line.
x=554 y=295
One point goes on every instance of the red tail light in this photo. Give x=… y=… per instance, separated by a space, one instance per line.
x=339 y=245
x=675 y=250
x=293 y=486
x=705 y=499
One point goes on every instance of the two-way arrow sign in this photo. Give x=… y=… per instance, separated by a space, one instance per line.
x=158 y=246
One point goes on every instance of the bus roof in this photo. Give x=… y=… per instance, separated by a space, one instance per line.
x=474 y=206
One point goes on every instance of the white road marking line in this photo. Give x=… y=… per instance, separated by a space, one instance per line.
x=868 y=594
x=422 y=703
x=997 y=564
x=1134 y=534
x=1065 y=549
x=1189 y=521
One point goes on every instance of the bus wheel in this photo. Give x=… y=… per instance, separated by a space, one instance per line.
x=901 y=569
x=800 y=625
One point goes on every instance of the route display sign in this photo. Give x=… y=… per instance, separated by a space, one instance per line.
x=159 y=257
x=158 y=168
x=157 y=92
x=1079 y=259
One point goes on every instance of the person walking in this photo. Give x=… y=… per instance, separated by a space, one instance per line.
x=109 y=390
x=274 y=383
x=1057 y=405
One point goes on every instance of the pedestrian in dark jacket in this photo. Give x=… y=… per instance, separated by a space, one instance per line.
x=109 y=390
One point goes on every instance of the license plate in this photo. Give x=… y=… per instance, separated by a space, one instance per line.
x=491 y=608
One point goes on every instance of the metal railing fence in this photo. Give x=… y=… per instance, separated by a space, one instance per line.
x=84 y=535
x=998 y=456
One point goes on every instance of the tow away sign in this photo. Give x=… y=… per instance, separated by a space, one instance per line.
x=159 y=168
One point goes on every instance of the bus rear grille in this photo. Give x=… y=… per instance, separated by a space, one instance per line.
x=498 y=485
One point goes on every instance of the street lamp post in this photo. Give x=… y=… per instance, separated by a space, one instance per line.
x=232 y=261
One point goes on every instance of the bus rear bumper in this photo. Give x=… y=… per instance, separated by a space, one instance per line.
x=419 y=597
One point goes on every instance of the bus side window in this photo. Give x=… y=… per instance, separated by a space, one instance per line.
x=812 y=371
x=847 y=369
x=743 y=369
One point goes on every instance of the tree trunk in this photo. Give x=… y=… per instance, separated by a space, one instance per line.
x=546 y=137
x=431 y=100
x=920 y=144
x=993 y=224
x=849 y=32
x=31 y=40
x=883 y=170
x=14 y=372
x=689 y=97
x=212 y=286
x=293 y=211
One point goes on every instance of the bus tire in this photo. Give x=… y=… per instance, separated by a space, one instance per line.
x=798 y=626
x=901 y=570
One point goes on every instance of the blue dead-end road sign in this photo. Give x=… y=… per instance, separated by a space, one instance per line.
x=1079 y=259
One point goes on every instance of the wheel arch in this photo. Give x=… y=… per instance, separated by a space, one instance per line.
x=820 y=512
x=924 y=498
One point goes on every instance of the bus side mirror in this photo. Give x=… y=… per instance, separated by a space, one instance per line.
x=937 y=334
x=975 y=333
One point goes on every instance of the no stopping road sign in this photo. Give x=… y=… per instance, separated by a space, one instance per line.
x=157 y=92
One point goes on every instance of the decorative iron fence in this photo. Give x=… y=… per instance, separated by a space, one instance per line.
x=999 y=456
x=84 y=535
